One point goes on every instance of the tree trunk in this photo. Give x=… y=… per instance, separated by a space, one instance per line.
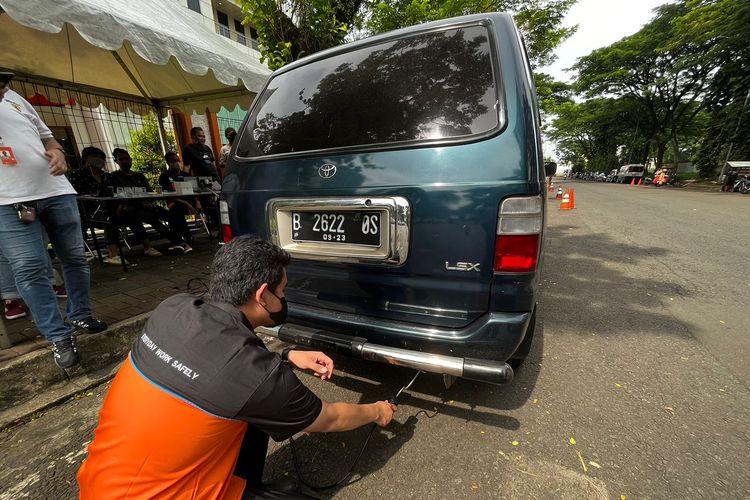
x=661 y=148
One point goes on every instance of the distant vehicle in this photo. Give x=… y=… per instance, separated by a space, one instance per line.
x=629 y=172
x=661 y=177
x=612 y=176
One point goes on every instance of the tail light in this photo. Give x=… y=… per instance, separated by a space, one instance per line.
x=519 y=234
x=226 y=228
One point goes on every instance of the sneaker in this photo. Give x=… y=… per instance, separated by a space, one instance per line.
x=116 y=260
x=14 y=309
x=90 y=324
x=177 y=248
x=152 y=252
x=66 y=352
x=60 y=291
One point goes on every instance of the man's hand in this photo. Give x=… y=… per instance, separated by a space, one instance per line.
x=385 y=412
x=56 y=158
x=319 y=363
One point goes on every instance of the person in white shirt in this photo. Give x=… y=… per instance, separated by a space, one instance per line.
x=34 y=192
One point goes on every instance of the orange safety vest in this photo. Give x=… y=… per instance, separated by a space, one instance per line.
x=151 y=443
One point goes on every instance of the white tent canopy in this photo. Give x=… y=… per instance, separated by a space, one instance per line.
x=144 y=48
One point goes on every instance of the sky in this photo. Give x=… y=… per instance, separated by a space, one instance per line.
x=600 y=23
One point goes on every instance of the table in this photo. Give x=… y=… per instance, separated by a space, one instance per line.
x=88 y=217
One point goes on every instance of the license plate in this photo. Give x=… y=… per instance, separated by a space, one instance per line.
x=352 y=227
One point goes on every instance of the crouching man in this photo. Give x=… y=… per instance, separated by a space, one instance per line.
x=190 y=412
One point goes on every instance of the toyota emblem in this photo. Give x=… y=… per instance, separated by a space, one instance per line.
x=327 y=171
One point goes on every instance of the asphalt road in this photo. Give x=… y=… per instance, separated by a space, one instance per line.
x=635 y=385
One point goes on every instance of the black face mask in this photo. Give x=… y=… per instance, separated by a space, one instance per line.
x=278 y=317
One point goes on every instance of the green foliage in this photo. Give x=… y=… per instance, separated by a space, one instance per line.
x=687 y=68
x=551 y=93
x=539 y=20
x=599 y=134
x=289 y=29
x=145 y=149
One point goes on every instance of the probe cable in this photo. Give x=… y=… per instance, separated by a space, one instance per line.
x=345 y=477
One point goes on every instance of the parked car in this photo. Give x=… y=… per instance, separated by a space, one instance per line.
x=612 y=176
x=404 y=174
x=630 y=172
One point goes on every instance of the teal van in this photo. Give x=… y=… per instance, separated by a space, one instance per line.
x=404 y=174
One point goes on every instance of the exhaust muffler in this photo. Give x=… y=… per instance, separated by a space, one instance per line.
x=492 y=372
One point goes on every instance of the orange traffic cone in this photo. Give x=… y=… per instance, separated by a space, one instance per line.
x=572 y=198
x=559 y=194
x=632 y=183
x=640 y=181
x=566 y=204
x=551 y=187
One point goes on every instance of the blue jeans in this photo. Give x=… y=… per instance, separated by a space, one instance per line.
x=23 y=247
x=8 y=290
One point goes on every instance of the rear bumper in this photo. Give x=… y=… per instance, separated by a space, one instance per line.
x=493 y=372
x=493 y=336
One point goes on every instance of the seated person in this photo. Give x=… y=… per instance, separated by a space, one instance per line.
x=179 y=208
x=91 y=179
x=134 y=213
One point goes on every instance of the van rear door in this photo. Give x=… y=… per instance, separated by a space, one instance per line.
x=381 y=168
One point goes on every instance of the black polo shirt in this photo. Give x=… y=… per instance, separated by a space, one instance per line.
x=201 y=160
x=208 y=355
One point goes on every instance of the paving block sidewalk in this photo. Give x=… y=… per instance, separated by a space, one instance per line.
x=121 y=299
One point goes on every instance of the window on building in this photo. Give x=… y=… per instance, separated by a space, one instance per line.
x=240 y=29
x=223 y=26
x=194 y=5
x=253 y=37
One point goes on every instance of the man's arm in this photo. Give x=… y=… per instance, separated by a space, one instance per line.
x=54 y=153
x=339 y=417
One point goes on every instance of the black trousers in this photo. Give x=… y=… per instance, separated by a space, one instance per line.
x=250 y=464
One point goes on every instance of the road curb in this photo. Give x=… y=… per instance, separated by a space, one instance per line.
x=32 y=382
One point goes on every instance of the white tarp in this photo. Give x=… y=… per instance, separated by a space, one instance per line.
x=151 y=48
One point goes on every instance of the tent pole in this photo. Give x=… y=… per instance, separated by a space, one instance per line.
x=160 y=123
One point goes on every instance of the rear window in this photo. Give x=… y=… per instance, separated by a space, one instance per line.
x=430 y=86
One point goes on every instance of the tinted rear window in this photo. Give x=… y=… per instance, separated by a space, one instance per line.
x=431 y=86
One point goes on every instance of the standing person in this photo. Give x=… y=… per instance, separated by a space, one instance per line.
x=35 y=193
x=198 y=156
x=190 y=412
x=230 y=134
x=134 y=213
x=200 y=159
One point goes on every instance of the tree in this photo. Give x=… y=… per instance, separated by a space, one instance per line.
x=600 y=134
x=649 y=66
x=290 y=29
x=145 y=149
x=539 y=20
x=720 y=27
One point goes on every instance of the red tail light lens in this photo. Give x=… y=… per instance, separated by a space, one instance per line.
x=516 y=253
x=519 y=230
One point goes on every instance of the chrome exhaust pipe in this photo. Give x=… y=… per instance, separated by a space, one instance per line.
x=493 y=372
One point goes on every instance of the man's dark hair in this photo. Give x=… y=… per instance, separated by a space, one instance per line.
x=194 y=131
x=169 y=155
x=119 y=151
x=92 y=151
x=241 y=266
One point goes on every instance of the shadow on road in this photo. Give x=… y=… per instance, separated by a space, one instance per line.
x=592 y=291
